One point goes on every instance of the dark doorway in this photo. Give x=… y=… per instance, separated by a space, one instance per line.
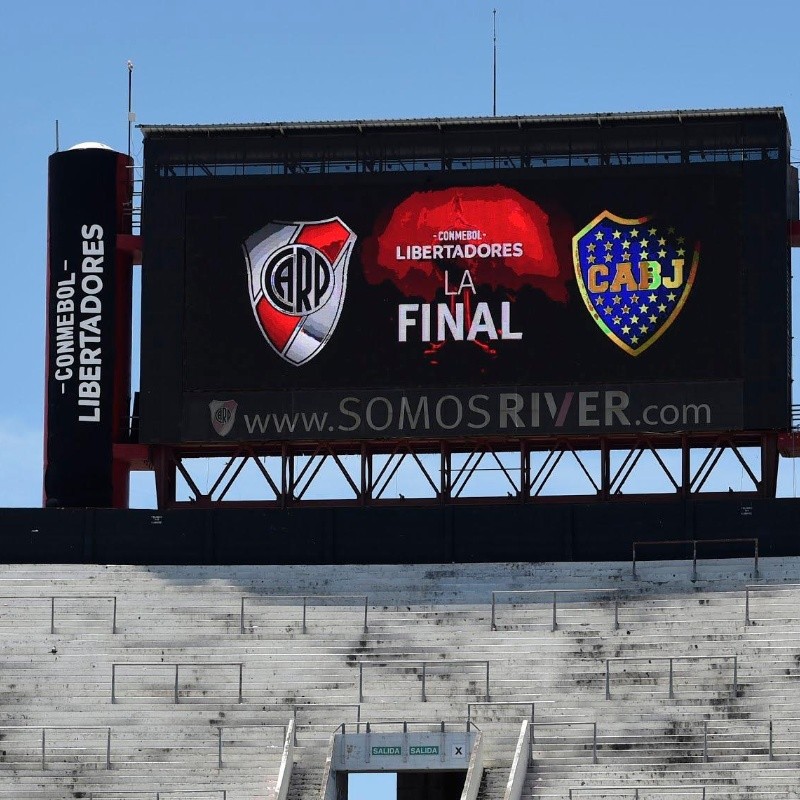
x=430 y=785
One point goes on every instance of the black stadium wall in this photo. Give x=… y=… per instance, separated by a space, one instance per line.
x=448 y=534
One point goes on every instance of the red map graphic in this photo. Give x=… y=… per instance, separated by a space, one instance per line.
x=499 y=215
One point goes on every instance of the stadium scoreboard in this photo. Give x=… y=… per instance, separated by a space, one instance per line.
x=435 y=279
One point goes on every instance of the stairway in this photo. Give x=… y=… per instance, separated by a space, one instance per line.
x=441 y=615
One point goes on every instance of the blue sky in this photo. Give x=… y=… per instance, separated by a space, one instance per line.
x=201 y=61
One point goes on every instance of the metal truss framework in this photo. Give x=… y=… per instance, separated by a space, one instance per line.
x=451 y=472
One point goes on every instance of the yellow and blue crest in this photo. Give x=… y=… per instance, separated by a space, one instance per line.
x=634 y=276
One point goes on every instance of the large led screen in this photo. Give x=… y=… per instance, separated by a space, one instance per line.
x=460 y=305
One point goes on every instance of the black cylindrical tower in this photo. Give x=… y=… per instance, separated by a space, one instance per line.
x=88 y=326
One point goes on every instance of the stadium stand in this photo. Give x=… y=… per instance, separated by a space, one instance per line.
x=175 y=682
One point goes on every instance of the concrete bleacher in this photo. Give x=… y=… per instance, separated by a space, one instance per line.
x=61 y=642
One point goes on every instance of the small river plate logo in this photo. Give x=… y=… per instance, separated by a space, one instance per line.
x=223 y=415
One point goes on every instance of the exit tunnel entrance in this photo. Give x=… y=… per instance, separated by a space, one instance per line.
x=419 y=761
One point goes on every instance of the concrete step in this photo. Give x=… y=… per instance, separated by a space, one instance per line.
x=433 y=613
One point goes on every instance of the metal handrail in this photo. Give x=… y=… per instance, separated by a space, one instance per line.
x=424 y=665
x=177 y=666
x=305 y=598
x=357 y=706
x=493 y=703
x=223 y=792
x=565 y=723
x=555 y=593
x=157 y=795
x=53 y=597
x=672 y=659
x=43 y=728
x=133 y=207
x=161 y=793
x=440 y=723
x=637 y=789
x=762 y=587
x=694 y=543
x=770 y=725
x=221 y=728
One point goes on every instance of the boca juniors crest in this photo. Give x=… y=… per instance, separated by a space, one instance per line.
x=297 y=273
x=634 y=276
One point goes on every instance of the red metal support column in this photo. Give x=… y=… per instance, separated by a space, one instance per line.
x=686 y=467
x=287 y=475
x=128 y=252
x=445 y=476
x=366 y=475
x=524 y=472
x=164 y=467
x=605 y=469
x=769 y=465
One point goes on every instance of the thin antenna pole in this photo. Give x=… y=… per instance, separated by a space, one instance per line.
x=57 y=145
x=130 y=104
x=494 y=62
